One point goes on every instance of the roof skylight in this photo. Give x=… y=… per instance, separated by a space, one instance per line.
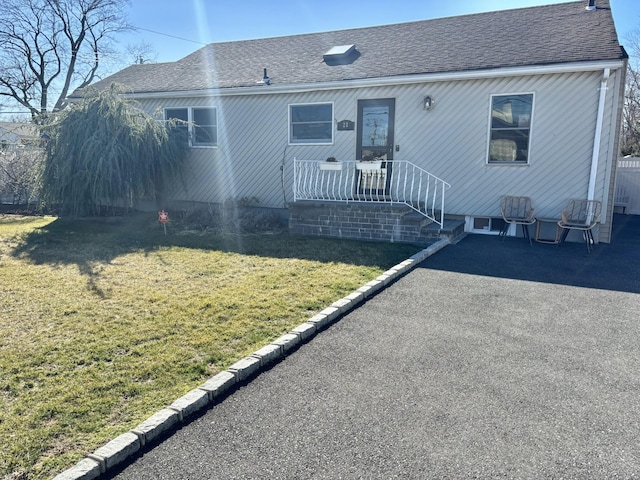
x=341 y=55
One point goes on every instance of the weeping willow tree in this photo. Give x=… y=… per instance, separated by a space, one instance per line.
x=106 y=152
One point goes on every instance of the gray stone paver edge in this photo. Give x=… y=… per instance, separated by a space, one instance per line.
x=202 y=398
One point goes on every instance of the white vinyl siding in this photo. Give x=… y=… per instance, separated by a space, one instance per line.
x=450 y=141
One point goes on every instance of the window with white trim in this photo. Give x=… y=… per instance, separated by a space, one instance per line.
x=181 y=114
x=311 y=123
x=201 y=124
x=510 y=128
x=205 y=126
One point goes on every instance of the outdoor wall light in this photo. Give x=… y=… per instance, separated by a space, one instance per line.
x=428 y=102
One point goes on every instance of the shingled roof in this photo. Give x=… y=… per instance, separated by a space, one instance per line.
x=545 y=35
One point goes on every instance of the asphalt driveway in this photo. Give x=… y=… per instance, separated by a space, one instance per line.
x=489 y=360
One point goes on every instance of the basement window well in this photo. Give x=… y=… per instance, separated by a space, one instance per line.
x=485 y=225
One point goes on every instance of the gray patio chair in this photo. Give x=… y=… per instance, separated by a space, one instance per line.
x=580 y=215
x=518 y=211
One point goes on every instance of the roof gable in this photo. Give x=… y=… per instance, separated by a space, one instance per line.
x=544 y=35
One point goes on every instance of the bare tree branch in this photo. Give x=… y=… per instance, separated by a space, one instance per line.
x=142 y=52
x=630 y=133
x=53 y=46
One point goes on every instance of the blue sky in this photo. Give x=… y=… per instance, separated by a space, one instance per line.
x=207 y=21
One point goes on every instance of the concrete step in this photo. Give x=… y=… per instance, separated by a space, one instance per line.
x=415 y=218
x=451 y=228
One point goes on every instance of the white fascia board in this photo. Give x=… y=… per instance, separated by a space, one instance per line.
x=383 y=81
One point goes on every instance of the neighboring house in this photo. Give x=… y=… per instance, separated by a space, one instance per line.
x=520 y=102
x=14 y=134
x=20 y=155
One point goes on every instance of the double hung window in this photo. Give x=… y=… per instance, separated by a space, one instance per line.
x=311 y=123
x=182 y=123
x=200 y=123
x=510 y=130
x=205 y=126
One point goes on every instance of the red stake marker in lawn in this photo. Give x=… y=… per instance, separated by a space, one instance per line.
x=163 y=218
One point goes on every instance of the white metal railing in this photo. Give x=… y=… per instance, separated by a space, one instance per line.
x=397 y=181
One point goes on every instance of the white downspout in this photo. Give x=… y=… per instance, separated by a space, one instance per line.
x=596 y=141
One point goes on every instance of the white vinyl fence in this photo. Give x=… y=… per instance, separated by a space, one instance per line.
x=627 y=199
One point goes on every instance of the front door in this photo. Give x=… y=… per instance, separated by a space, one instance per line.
x=375 y=143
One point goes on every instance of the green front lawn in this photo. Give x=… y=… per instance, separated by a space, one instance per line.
x=105 y=321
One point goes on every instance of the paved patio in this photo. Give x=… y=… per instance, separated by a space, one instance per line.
x=488 y=360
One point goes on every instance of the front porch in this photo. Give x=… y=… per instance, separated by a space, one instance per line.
x=380 y=200
x=380 y=181
x=381 y=222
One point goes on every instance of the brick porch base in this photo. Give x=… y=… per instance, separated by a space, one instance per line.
x=363 y=221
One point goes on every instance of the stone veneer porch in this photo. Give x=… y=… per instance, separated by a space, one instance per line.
x=369 y=221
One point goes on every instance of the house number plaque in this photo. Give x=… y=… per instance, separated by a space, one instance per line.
x=346 y=125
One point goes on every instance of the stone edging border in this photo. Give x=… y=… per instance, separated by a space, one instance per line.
x=121 y=448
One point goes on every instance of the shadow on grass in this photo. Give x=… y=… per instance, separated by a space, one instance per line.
x=613 y=266
x=88 y=243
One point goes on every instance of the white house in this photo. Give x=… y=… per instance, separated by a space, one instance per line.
x=15 y=134
x=519 y=102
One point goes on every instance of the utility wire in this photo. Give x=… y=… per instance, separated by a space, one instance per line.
x=168 y=35
x=117 y=54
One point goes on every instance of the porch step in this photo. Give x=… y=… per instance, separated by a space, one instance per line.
x=430 y=231
x=415 y=218
x=452 y=228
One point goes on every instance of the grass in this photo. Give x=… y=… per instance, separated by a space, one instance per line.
x=106 y=321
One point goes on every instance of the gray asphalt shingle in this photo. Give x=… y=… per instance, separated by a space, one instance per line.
x=544 y=35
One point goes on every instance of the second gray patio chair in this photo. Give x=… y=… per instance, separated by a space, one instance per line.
x=582 y=215
x=518 y=211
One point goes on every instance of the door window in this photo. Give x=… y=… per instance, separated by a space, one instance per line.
x=375 y=129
